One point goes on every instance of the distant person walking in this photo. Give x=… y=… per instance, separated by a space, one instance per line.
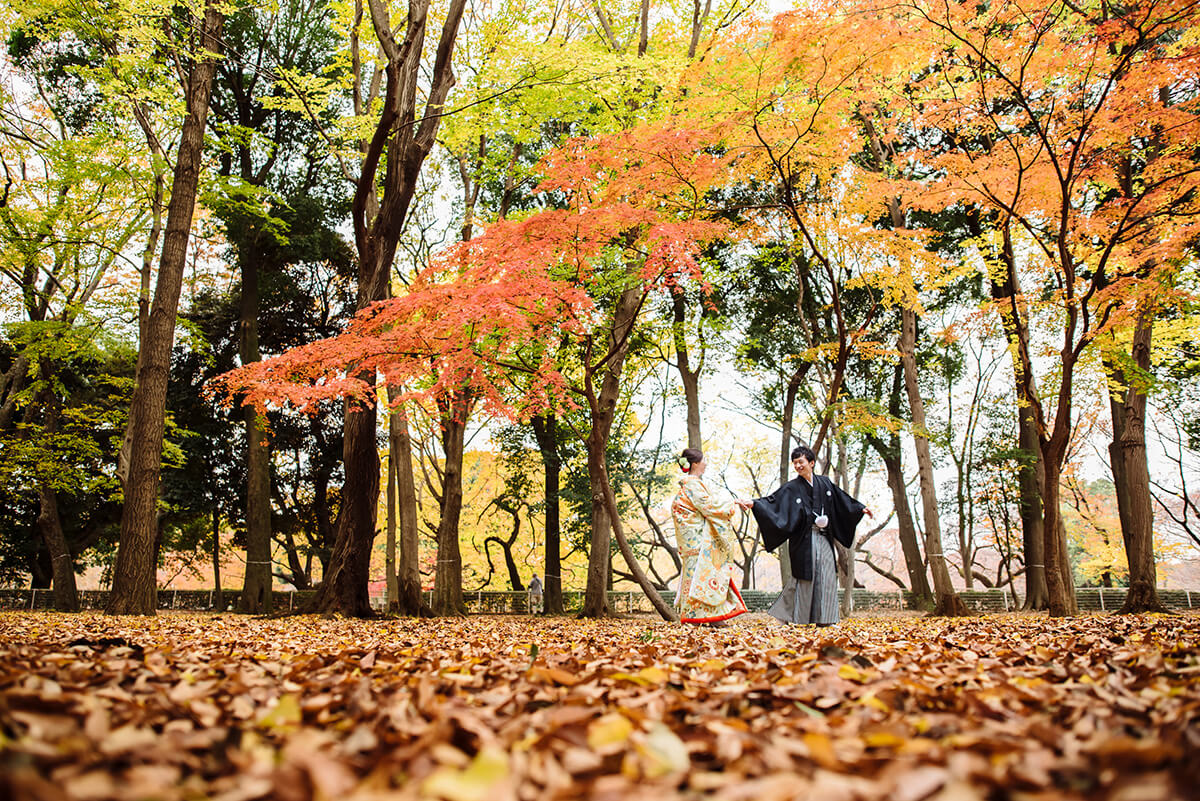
x=535 y=595
x=703 y=517
x=809 y=513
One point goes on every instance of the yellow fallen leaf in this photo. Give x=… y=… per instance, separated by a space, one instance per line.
x=851 y=673
x=476 y=782
x=285 y=714
x=608 y=734
x=663 y=753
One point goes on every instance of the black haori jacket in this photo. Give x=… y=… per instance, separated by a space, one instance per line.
x=786 y=515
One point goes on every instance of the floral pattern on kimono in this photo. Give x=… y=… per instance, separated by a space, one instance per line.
x=704 y=535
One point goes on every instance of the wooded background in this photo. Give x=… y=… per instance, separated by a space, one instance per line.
x=301 y=281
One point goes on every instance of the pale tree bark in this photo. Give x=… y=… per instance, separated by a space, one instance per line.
x=1131 y=473
x=399 y=144
x=946 y=600
x=392 y=586
x=407 y=600
x=134 y=588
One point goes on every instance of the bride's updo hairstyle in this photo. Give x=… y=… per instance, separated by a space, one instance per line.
x=688 y=458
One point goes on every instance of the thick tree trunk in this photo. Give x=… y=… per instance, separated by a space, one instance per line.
x=947 y=602
x=379 y=210
x=447 y=583
x=595 y=596
x=408 y=574
x=343 y=589
x=545 y=429
x=1060 y=586
x=66 y=595
x=1132 y=476
x=134 y=590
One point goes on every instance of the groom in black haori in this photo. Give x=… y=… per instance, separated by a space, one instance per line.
x=809 y=513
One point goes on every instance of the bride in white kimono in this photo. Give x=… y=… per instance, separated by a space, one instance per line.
x=703 y=516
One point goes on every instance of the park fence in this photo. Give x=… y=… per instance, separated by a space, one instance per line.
x=1090 y=599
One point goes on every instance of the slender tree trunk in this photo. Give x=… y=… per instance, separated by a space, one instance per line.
x=785 y=453
x=1031 y=478
x=256 y=588
x=890 y=453
x=688 y=377
x=639 y=575
x=602 y=406
x=218 y=593
x=408 y=574
x=134 y=590
x=392 y=586
x=914 y=564
x=545 y=429
x=447 y=583
x=1005 y=290
x=1132 y=477
x=947 y=602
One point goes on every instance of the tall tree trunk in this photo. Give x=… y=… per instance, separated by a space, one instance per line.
x=785 y=453
x=408 y=573
x=545 y=430
x=343 y=587
x=1030 y=480
x=447 y=583
x=602 y=407
x=392 y=584
x=218 y=593
x=134 y=590
x=1132 y=476
x=66 y=596
x=947 y=601
x=379 y=210
x=1005 y=291
x=256 y=588
x=890 y=453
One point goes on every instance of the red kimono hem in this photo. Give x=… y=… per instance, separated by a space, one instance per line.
x=743 y=610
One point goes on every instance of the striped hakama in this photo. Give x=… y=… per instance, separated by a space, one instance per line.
x=812 y=601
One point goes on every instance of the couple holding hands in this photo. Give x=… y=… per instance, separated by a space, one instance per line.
x=808 y=513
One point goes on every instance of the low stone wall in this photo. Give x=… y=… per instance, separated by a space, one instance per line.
x=1090 y=599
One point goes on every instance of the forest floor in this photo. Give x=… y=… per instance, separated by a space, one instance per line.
x=230 y=708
